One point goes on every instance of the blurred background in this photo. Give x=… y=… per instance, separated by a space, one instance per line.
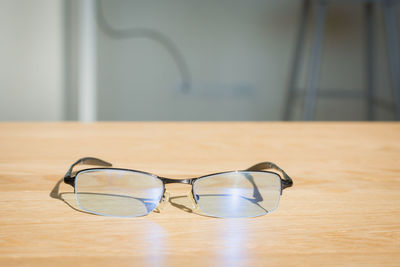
x=195 y=60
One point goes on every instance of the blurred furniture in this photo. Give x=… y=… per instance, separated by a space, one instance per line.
x=314 y=65
x=341 y=210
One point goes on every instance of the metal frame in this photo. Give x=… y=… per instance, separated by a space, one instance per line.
x=286 y=181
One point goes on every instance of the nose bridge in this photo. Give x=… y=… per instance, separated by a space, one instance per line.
x=176 y=181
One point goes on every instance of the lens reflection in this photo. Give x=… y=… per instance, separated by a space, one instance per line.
x=238 y=194
x=118 y=193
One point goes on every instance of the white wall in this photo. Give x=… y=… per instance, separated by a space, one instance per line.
x=31 y=60
x=237 y=53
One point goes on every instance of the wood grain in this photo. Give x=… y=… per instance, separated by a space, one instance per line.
x=344 y=207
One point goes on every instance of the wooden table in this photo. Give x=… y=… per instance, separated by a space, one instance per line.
x=344 y=207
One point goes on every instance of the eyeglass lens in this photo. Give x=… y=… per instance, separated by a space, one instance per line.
x=119 y=193
x=238 y=194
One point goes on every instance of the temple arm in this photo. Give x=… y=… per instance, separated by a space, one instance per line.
x=286 y=181
x=256 y=193
x=68 y=177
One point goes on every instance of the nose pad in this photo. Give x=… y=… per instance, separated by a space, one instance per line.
x=193 y=204
x=163 y=202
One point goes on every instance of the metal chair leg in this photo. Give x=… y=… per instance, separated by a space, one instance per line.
x=370 y=55
x=393 y=50
x=315 y=62
x=291 y=93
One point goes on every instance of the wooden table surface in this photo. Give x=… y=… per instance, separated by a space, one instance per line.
x=344 y=207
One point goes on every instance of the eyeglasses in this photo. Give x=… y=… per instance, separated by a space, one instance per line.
x=120 y=192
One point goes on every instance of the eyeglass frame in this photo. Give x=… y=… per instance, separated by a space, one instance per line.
x=70 y=176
